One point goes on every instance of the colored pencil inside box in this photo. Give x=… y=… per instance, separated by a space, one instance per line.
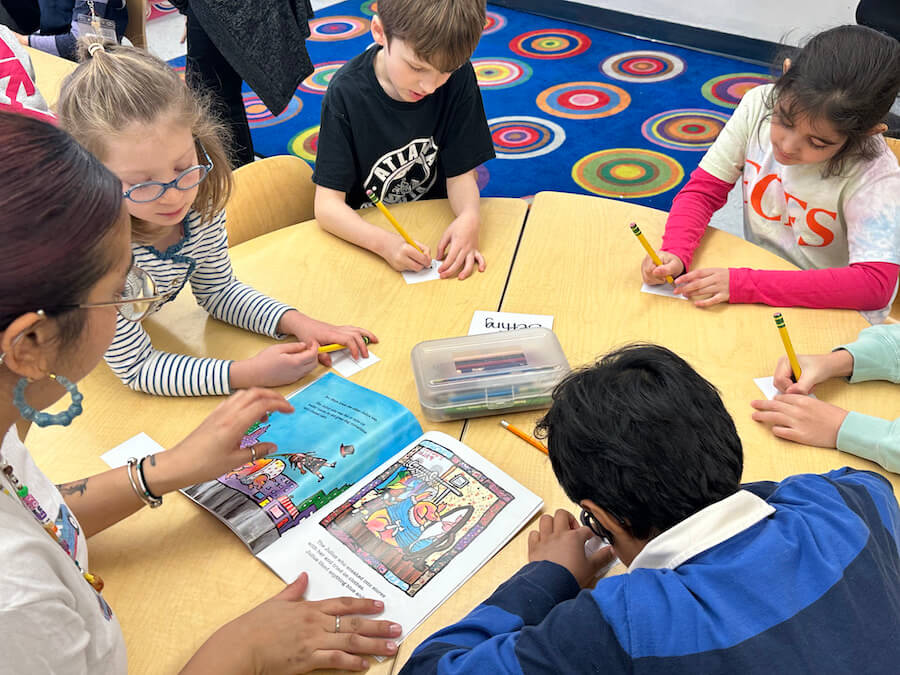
x=478 y=375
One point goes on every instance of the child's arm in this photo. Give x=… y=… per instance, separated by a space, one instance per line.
x=335 y=216
x=65 y=44
x=536 y=617
x=802 y=419
x=692 y=208
x=874 y=356
x=861 y=286
x=458 y=247
x=133 y=359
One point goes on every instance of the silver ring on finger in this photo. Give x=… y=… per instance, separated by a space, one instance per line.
x=253 y=453
x=337 y=624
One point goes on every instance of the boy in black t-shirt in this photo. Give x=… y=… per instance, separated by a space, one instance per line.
x=405 y=119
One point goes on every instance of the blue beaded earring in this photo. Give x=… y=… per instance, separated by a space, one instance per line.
x=43 y=419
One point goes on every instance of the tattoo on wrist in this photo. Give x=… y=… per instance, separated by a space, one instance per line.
x=152 y=459
x=75 y=487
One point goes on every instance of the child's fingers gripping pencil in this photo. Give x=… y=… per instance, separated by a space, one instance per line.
x=649 y=249
x=393 y=221
x=525 y=437
x=788 y=347
x=334 y=347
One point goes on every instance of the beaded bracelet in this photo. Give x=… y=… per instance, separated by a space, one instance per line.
x=154 y=500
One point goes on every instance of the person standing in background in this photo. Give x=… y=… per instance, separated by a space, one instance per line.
x=260 y=43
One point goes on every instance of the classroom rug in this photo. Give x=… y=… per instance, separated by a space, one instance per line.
x=570 y=108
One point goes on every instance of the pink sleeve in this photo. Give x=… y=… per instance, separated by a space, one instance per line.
x=693 y=206
x=861 y=286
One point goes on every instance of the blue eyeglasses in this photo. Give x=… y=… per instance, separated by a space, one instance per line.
x=187 y=179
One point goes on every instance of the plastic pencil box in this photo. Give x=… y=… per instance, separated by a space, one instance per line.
x=479 y=375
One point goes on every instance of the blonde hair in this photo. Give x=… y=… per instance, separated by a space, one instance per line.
x=444 y=33
x=115 y=86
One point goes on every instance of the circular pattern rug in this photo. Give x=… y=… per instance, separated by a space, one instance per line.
x=583 y=100
x=500 y=73
x=259 y=116
x=550 y=43
x=370 y=7
x=728 y=90
x=317 y=83
x=305 y=144
x=643 y=66
x=493 y=22
x=684 y=129
x=522 y=137
x=628 y=173
x=330 y=28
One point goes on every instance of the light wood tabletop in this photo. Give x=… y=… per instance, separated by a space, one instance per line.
x=579 y=261
x=175 y=574
x=49 y=72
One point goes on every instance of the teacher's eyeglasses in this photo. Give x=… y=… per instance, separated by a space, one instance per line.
x=138 y=298
x=186 y=180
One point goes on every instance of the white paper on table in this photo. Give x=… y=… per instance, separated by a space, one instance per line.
x=137 y=446
x=767 y=387
x=426 y=274
x=494 y=322
x=346 y=366
x=665 y=290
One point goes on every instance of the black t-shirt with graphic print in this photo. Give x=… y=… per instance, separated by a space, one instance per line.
x=402 y=151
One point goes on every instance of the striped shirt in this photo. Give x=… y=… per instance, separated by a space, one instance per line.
x=200 y=258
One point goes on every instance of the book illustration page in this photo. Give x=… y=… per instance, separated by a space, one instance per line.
x=338 y=432
x=412 y=519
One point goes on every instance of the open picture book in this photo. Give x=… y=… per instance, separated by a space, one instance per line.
x=365 y=503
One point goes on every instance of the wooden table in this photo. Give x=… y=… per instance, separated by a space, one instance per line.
x=49 y=72
x=578 y=261
x=176 y=574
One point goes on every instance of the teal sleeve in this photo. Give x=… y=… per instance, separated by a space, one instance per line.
x=871 y=438
x=876 y=354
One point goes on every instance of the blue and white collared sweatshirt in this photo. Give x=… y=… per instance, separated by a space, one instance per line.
x=801 y=576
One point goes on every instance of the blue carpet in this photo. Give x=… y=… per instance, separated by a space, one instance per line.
x=570 y=108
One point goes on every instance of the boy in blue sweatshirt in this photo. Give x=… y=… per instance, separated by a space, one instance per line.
x=796 y=576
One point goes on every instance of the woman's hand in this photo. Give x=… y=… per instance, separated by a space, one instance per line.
x=288 y=634
x=214 y=447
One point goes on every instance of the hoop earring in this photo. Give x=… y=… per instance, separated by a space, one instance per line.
x=43 y=419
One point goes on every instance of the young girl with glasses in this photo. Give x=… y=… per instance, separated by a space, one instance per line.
x=133 y=112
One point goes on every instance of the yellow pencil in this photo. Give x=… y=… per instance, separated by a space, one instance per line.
x=788 y=347
x=649 y=249
x=334 y=347
x=525 y=437
x=393 y=221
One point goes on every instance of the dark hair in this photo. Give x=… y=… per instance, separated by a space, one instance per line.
x=850 y=76
x=57 y=204
x=644 y=436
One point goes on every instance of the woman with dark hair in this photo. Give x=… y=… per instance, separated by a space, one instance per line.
x=65 y=270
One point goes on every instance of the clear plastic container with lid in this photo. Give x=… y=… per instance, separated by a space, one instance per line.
x=477 y=375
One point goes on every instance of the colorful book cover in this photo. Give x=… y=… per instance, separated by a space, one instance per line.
x=337 y=433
